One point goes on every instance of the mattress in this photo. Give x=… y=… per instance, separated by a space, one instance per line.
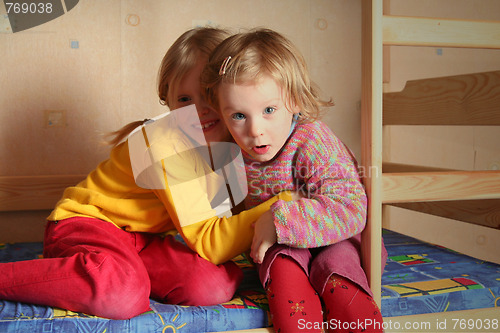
x=418 y=278
x=424 y=278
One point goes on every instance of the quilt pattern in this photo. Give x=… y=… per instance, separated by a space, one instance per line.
x=423 y=278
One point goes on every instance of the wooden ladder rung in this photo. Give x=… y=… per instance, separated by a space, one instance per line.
x=440 y=186
x=391 y=167
x=421 y=31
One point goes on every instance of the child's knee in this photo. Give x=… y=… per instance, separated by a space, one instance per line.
x=119 y=290
x=212 y=287
x=207 y=294
x=123 y=302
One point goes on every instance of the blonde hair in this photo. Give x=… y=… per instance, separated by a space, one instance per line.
x=261 y=52
x=180 y=58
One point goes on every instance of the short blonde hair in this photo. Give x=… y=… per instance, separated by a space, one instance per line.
x=261 y=52
x=182 y=56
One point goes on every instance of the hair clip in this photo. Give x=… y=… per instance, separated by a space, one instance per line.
x=223 y=67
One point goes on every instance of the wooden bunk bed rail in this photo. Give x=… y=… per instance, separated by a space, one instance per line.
x=440 y=186
x=472 y=99
x=468 y=100
x=481 y=212
x=19 y=193
x=421 y=31
x=371 y=127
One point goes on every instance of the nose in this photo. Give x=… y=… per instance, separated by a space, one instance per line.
x=203 y=110
x=203 y=107
x=255 y=128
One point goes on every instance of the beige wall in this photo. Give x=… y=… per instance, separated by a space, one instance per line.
x=110 y=79
x=461 y=147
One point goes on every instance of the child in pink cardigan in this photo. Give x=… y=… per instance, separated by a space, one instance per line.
x=308 y=250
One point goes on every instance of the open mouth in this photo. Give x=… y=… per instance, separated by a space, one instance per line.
x=261 y=150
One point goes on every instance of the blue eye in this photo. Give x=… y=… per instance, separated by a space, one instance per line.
x=238 y=116
x=269 y=110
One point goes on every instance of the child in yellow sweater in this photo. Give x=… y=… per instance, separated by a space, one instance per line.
x=105 y=252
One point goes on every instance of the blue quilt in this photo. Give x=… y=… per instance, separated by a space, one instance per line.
x=423 y=278
x=418 y=278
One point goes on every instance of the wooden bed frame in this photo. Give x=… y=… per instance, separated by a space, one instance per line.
x=433 y=191
x=473 y=99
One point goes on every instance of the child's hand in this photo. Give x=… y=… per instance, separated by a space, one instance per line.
x=264 y=237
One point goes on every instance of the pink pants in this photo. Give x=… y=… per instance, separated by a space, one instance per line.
x=92 y=266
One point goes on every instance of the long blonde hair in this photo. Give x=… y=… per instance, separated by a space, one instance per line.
x=180 y=58
x=261 y=52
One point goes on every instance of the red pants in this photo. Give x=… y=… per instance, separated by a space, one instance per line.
x=92 y=266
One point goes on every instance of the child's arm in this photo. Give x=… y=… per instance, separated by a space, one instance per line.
x=221 y=239
x=265 y=233
x=264 y=237
x=335 y=205
x=217 y=239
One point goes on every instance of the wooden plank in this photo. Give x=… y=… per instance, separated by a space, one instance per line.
x=371 y=129
x=386 y=50
x=440 y=186
x=391 y=167
x=481 y=212
x=34 y=192
x=472 y=99
x=421 y=31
